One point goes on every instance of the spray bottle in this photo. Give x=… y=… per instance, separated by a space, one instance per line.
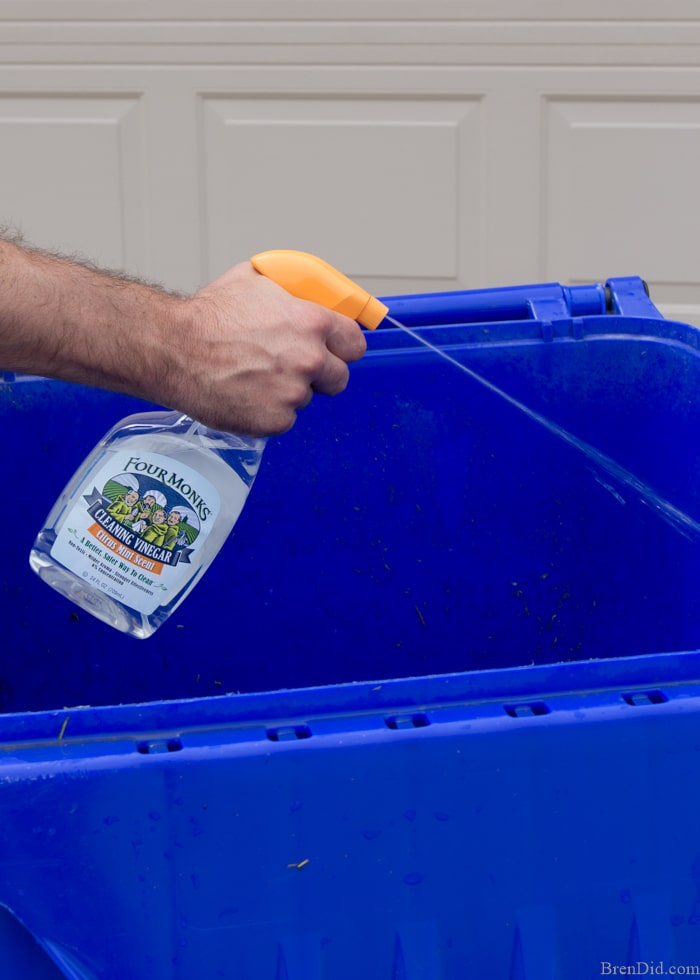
x=149 y=509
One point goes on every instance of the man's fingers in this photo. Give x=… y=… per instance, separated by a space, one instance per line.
x=333 y=377
x=346 y=339
x=340 y=340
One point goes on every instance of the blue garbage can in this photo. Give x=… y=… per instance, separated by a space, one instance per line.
x=434 y=710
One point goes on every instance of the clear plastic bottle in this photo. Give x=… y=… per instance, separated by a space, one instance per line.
x=147 y=512
x=144 y=516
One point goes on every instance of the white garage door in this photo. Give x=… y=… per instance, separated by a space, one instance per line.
x=417 y=145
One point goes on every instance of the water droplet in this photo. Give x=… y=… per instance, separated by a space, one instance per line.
x=413 y=878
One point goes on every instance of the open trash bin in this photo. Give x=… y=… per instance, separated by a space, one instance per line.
x=432 y=713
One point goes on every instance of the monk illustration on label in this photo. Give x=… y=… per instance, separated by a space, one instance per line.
x=156 y=531
x=124 y=508
x=173 y=532
x=159 y=516
x=144 y=510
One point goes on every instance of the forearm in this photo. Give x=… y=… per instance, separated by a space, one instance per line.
x=241 y=354
x=65 y=320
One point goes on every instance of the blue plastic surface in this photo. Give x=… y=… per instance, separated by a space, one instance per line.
x=434 y=710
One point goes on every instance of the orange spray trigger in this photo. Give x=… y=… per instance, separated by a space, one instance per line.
x=308 y=277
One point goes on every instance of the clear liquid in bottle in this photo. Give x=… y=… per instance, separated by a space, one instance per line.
x=143 y=518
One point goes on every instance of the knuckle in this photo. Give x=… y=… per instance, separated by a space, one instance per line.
x=342 y=380
x=335 y=381
x=349 y=343
x=315 y=361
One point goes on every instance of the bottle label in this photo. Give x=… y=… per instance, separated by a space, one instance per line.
x=137 y=527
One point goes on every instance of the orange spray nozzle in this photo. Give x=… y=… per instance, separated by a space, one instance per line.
x=308 y=277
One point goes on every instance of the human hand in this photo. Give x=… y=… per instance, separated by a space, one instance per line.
x=241 y=355
x=252 y=355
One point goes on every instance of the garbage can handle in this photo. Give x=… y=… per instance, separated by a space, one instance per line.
x=308 y=277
